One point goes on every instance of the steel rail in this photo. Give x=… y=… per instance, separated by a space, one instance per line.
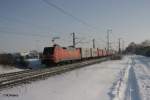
x=25 y=76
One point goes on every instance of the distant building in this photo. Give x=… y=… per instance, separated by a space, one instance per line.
x=30 y=54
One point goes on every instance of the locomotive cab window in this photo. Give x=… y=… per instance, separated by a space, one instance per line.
x=48 y=50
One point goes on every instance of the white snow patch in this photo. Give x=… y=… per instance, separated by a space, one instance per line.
x=8 y=69
x=142 y=72
x=120 y=87
x=89 y=83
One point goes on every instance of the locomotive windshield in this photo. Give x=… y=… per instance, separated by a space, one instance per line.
x=48 y=50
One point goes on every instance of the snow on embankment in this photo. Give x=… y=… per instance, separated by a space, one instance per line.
x=142 y=72
x=8 y=69
x=120 y=87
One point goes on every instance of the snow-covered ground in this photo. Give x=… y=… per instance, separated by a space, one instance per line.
x=7 y=69
x=142 y=71
x=138 y=80
x=96 y=82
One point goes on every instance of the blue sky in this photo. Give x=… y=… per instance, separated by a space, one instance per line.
x=21 y=20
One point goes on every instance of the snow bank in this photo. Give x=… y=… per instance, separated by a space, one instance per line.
x=7 y=69
x=142 y=72
x=120 y=86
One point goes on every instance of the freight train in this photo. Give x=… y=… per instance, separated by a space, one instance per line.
x=57 y=54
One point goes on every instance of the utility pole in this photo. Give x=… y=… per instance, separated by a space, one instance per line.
x=93 y=43
x=119 y=49
x=74 y=39
x=108 y=41
x=123 y=45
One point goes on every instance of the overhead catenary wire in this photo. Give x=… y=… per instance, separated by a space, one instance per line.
x=25 y=34
x=25 y=22
x=68 y=14
x=16 y=20
x=47 y=36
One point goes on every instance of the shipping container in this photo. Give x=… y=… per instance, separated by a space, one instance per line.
x=94 y=52
x=85 y=53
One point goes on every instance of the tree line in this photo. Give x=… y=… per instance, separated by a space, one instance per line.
x=142 y=48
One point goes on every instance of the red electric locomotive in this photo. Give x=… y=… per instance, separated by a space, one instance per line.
x=57 y=54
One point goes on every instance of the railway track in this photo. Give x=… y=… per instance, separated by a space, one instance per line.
x=12 y=73
x=14 y=78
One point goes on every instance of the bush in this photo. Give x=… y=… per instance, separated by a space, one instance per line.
x=12 y=60
x=6 y=59
x=20 y=61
